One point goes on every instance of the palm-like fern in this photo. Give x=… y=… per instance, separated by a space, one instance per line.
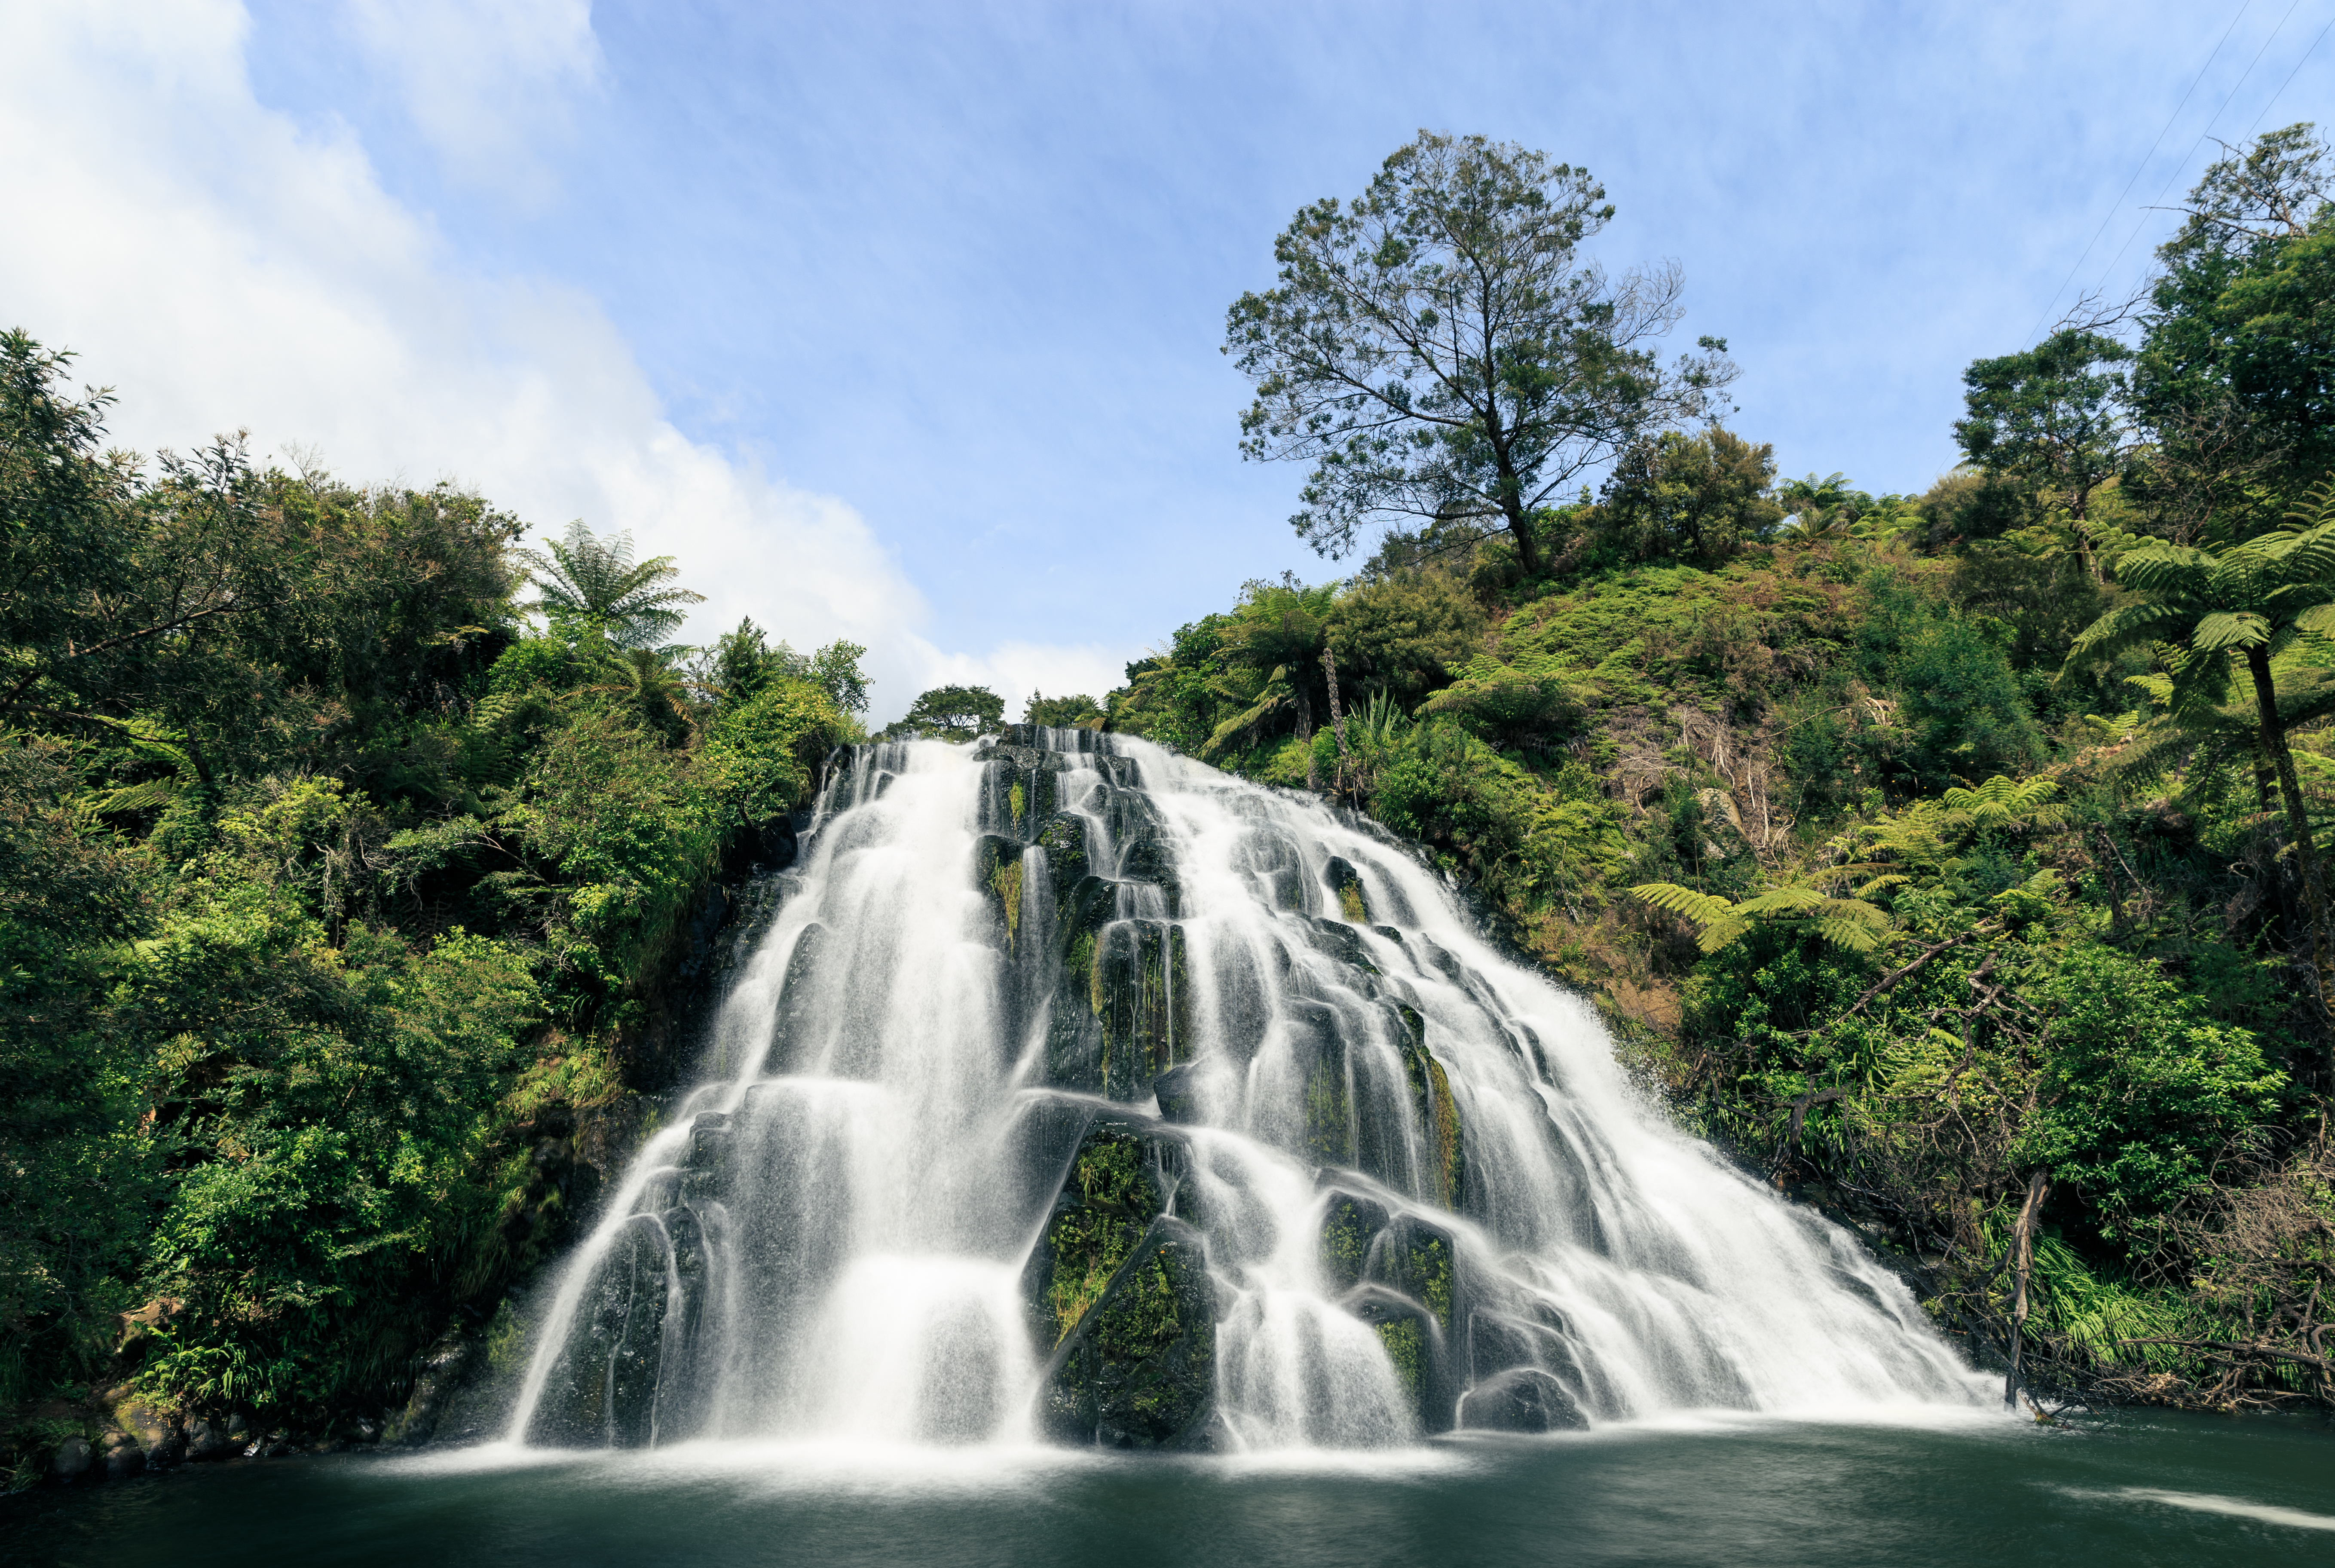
x=2211 y=610
x=1850 y=922
x=2251 y=601
x=2001 y=802
x=595 y=584
x=152 y=743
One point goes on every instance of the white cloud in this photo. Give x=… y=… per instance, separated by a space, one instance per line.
x=1016 y=670
x=225 y=267
x=486 y=84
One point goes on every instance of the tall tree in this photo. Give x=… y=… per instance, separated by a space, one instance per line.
x=952 y=713
x=2052 y=416
x=595 y=585
x=1693 y=496
x=1439 y=348
x=2235 y=377
x=2217 y=611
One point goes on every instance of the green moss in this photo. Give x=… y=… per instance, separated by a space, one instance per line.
x=1089 y=1242
x=1006 y=881
x=1407 y=1351
x=1017 y=799
x=1329 y=1117
x=1431 y=1277
x=1438 y=1115
x=1137 y=987
x=1143 y=1316
x=1450 y=1160
x=1345 y=1243
x=505 y=1341
x=1349 y=899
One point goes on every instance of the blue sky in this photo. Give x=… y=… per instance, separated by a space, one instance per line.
x=901 y=321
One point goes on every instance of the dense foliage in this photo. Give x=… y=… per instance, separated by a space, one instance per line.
x=336 y=907
x=1955 y=860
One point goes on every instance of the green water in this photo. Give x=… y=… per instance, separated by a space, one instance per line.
x=2127 y=1490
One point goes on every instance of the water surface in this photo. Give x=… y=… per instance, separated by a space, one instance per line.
x=2129 y=1489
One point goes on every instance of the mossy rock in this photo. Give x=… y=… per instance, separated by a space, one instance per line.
x=1064 y=840
x=1152 y=860
x=1121 y=1177
x=1318 y=1048
x=1269 y=855
x=1139 y=1372
x=1176 y=1090
x=1092 y=904
x=1139 y=990
x=1346 y=887
x=1074 y=1039
x=1345 y=943
x=1412 y=1274
x=1351 y=1224
x=1444 y=1143
x=998 y=873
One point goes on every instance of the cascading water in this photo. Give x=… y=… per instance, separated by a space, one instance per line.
x=1078 y=1091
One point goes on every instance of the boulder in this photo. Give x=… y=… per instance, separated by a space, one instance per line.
x=1351 y=1224
x=1177 y=1092
x=1122 y=1176
x=1342 y=943
x=1064 y=840
x=72 y=1460
x=1327 y=1104
x=1521 y=1400
x=123 y=1457
x=1271 y=855
x=604 y=1387
x=437 y=1373
x=135 y=1416
x=207 y=1440
x=1141 y=997
x=1139 y=1372
x=1346 y=887
x=1020 y=790
x=1396 y=1271
x=1444 y=1179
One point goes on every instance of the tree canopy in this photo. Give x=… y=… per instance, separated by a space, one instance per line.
x=952 y=713
x=1439 y=348
x=596 y=586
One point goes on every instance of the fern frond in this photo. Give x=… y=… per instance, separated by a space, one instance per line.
x=1703 y=908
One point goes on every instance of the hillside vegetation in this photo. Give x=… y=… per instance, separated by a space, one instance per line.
x=341 y=918
x=1952 y=858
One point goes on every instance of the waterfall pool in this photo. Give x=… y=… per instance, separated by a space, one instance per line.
x=2131 y=1488
x=1076 y=1099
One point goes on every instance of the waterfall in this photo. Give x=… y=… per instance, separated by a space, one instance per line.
x=1077 y=1092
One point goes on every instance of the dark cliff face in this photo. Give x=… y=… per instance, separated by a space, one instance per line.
x=1071 y=1091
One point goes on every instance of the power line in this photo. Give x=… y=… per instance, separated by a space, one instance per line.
x=2291 y=76
x=2152 y=146
x=2202 y=137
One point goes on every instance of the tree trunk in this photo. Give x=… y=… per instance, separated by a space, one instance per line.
x=1337 y=713
x=2298 y=827
x=1527 y=547
x=2022 y=1263
x=1512 y=507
